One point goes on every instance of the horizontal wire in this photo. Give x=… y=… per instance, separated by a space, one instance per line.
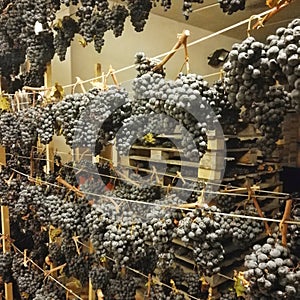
x=163 y=205
x=205 y=7
x=174 y=187
x=192 y=180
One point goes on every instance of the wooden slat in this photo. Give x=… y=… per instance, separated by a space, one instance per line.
x=156 y=148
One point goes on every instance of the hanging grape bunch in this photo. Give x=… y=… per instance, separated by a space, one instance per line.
x=20 y=39
x=28 y=280
x=122 y=288
x=243 y=231
x=271 y=272
x=91 y=119
x=269 y=115
x=228 y=112
x=282 y=52
x=204 y=233
x=5 y=267
x=188 y=100
x=65 y=32
x=232 y=6
x=247 y=77
x=145 y=64
x=27 y=123
x=46 y=124
x=10 y=131
x=50 y=290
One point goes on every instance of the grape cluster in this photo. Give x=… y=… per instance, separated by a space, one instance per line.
x=281 y=50
x=27 y=126
x=99 y=277
x=24 y=127
x=10 y=131
x=243 y=231
x=9 y=193
x=65 y=32
x=247 y=75
x=271 y=272
x=84 y=118
x=67 y=111
x=145 y=64
x=39 y=251
x=187 y=7
x=45 y=125
x=269 y=115
x=119 y=13
x=146 y=264
x=122 y=288
x=71 y=217
x=139 y=12
x=39 y=51
x=203 y=232
x=50 y=291
x=78 y=266
x=156 y=292
x=229 y=113
x=56 y=255
x=29 y=198
x=160 y=232
x=98 y=222
x=227 y=202
x=142 y=192
x=5 y=267
x=124 y=241
x=47 y=206
x=28 y=280
x=232 y=6
x=188 y=100
x=194 y=285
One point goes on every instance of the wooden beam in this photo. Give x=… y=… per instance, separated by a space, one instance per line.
x=6 y=246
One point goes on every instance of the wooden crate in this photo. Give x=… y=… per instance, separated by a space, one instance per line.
x=215 y=141
x=124 y=160
x=159 y=155
x=249 y=158
x=210 y=174
x=249 y=131
x=213 y=160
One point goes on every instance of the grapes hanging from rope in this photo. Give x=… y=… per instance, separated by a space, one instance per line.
x=281 y=50
x=65 y=32
x=232 y=6
x=271 y=272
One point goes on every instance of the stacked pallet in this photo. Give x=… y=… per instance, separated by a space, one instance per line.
x=170 y=160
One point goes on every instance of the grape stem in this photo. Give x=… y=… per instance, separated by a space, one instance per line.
x=69 y=186
x=286 y=216
x=78 y=81
x=251 y=194
x=181 y=41
x=281 y=5
x=111 y=72
x=49 y=272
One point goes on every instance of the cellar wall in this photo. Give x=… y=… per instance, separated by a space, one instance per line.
x=158 y=37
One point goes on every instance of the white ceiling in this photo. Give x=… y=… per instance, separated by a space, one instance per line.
x=209 y=16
